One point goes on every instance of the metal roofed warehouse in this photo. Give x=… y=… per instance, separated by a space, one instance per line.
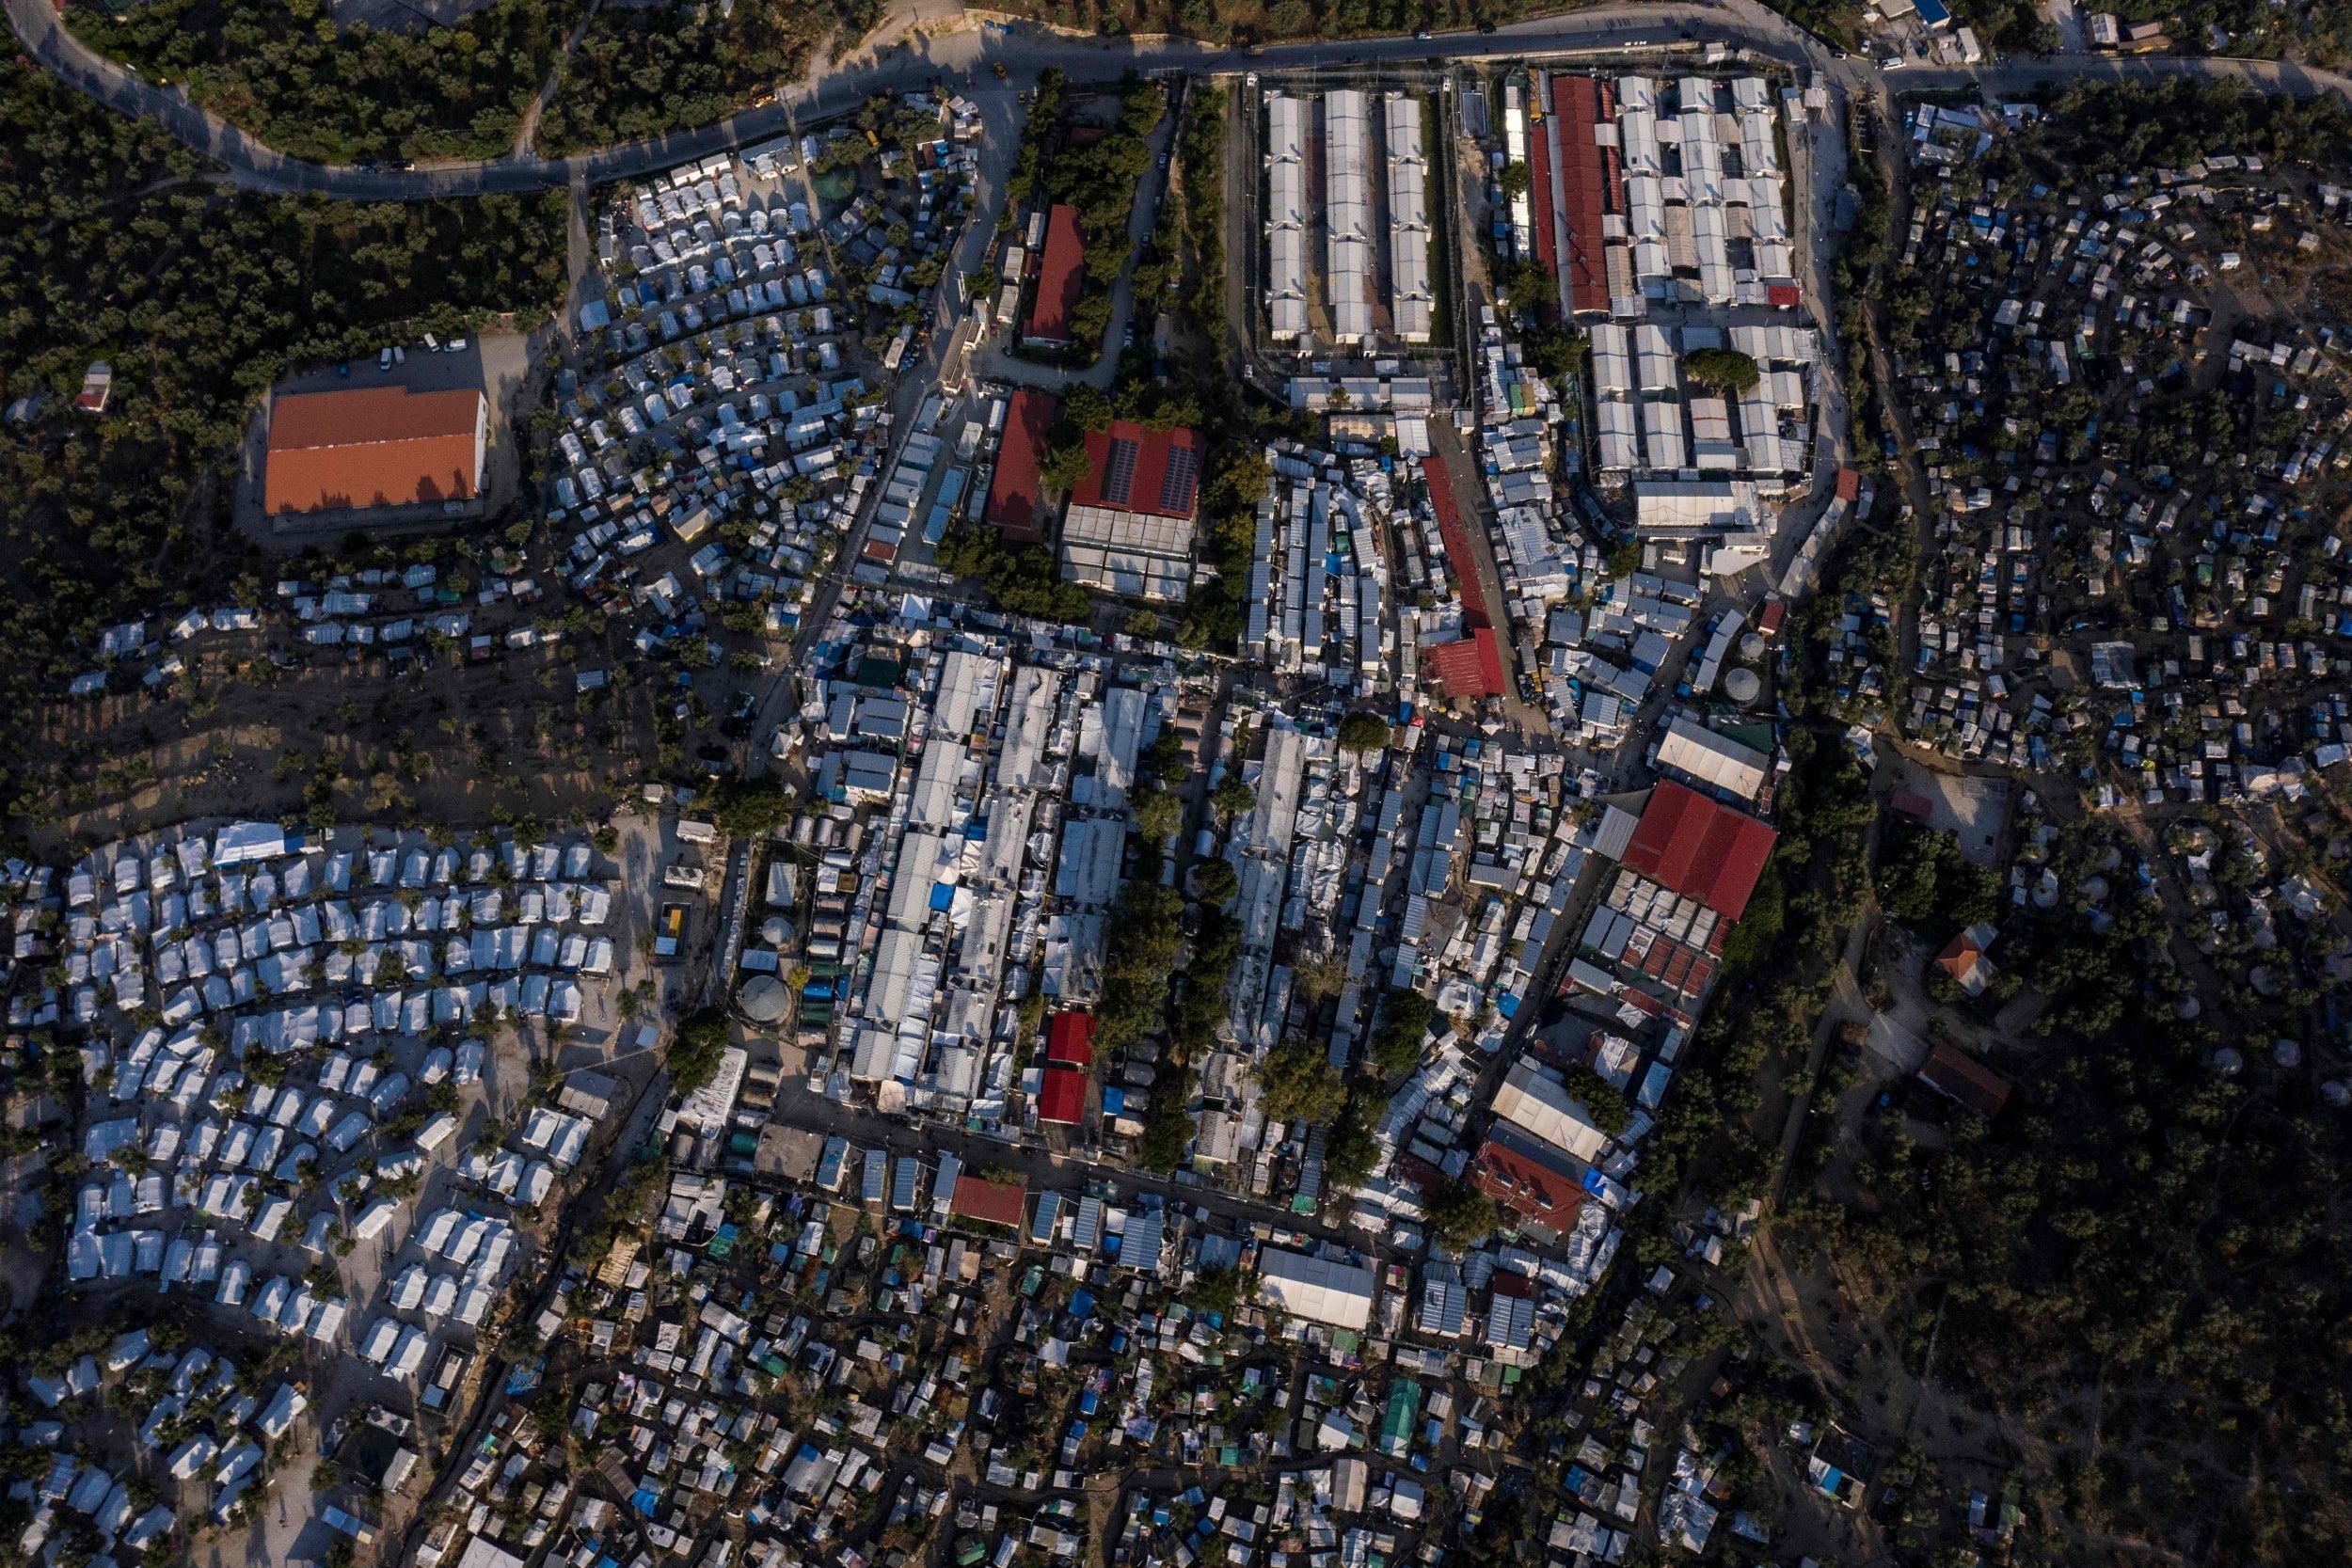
x=1286 y=217
x=1691 y=748
x=1129 y=525
x=1315 y=1287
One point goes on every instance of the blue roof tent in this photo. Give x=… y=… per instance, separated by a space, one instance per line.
x=1932 y=13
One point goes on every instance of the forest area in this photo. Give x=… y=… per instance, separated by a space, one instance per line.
x=641 y=72
x=115 y=245
x=1097 y=170
x=286 y=72
x=2140 y=1260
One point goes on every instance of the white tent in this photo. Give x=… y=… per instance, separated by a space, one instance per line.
x=1316 y=1288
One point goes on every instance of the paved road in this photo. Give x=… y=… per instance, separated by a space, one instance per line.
x=968 y=59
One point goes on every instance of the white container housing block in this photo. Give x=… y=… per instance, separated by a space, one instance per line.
x=1286 y=217
x=1411 y=297
x=1347 y=214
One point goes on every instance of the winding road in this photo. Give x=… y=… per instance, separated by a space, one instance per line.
x=968 y=57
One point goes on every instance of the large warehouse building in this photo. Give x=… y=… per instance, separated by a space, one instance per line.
x=1129 y=525
x=1691 y=845
x=1317 y=1288
x=374 y=449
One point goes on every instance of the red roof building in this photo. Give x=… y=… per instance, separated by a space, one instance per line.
x=1912 y=805
x=365 y=447
x=1132 y=469
x=1471 y=667
x=1460 y=558
x=1063 y=1098
x=1583 y=192
x=1687 y=843
x=1059 y=280
x=1539 y=164
x=1960 y=1077
x=1015 y=502
x=1002 y=1203
x=1069 y=1040
x=1129 y=530
x=1531 y=1181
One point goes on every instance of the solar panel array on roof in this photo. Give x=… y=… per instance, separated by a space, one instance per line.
x=1118 y=480
x=1176 y=486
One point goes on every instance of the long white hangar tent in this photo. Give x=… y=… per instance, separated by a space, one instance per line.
x=1317 y=1288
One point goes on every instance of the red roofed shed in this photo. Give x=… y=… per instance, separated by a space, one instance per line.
x=1471 y=667
x=999 y=1203
x=1069 y=1040
x=1959 y=1076
x=1014 y=500
x=1063 y=1098
x=1060 y=279
x=1693 y=846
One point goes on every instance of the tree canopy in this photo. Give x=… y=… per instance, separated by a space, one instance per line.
x=1405 y=1015
x=1458 y=1215
x=1725 y=369
x=1363 y=731
x=696 y=1049
x=1300 y=1084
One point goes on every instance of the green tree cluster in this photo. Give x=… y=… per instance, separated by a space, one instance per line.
x=696 y=1050
x=1599 y=1096
x=1405 y=1015
x=750 y=808
x=1458 y=1215
x=1923 y=880
x=644 y=71
x=286 y=72
x=1247 y=20
x=1727 y=369
x=1201 y=156
x=1025 y=579
x=1300 y=1085
x=1363 y=731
